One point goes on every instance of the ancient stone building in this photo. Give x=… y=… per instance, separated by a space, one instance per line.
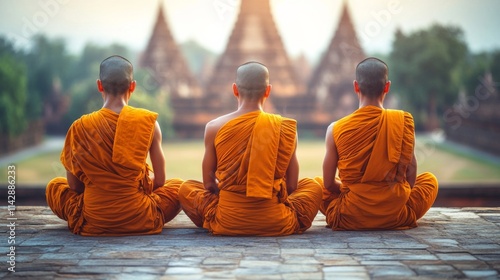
x=163 y=57
x=475 y=119
x=326 y=97
x=169 y=68
x=254 y=38
x=331 y=83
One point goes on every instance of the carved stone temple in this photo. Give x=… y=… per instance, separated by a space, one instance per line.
x=166 y=62
x=331 y=83
x=254 y=37
x=326 y=97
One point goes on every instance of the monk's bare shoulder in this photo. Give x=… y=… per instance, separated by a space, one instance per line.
x=215 y=124
x=329 y=130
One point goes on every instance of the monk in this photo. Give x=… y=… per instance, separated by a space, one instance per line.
x=250 y=169
x=373 y=149
x=108 y=189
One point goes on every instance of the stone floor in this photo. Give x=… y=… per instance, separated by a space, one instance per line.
x=449 y=243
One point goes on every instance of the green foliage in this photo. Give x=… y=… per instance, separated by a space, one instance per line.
x=495 y=67
x=425 y=70
x=49 y=63
x=475 y=68
x=13 y=93
x=159 y=103
x=149 y=95
x=196 y=55
x=84 y=99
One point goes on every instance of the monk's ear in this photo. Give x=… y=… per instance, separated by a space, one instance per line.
x=132 y=86
x=387 y=87
x=356 y=86
x=235 y=90
x=268 y=91
x=100 y=88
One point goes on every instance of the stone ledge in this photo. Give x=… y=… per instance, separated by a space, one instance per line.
x=450 y=195
x=449 y=243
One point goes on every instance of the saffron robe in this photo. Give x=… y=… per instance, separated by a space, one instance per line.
x=375 y=147
x=253 y=153
x=107 y=152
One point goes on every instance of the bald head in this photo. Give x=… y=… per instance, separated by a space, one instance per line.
x=252 y=79
x=116 y=74
x=372 y=74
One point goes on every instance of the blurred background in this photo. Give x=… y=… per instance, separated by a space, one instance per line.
x=443 y=58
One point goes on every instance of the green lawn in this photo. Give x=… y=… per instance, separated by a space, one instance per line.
x=183 y=160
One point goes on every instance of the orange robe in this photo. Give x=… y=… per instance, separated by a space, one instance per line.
x=253 y=152
x=107 y=152
x=375 y=147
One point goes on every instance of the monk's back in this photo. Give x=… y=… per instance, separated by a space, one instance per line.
x=113 y=177
x=354 y=137
x=238 y=213
x=373 y=151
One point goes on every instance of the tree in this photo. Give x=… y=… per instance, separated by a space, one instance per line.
x=495 y=67
x=159 y=103
x=13 y=93
x=49 y=76
x=425 y=69
x=476 y=66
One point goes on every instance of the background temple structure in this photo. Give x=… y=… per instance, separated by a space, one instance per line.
x=327 y=95
x=478 y=125
x=163 y=57
x=331 y=84
x=254 y=38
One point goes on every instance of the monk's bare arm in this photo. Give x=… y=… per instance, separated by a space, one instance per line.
x=209 y=164
x=157 y=158
x=411 y=172
x=292 y=173
x=330 y=163
x=75 y=183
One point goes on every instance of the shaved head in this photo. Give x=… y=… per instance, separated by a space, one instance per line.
x=116 y=74
x=252 y=79
x=372 y=74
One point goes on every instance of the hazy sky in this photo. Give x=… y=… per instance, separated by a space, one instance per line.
x=306 y=26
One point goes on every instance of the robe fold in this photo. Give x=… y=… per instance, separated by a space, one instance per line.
x=375 y=147
x=107 y=152
x=253 y=153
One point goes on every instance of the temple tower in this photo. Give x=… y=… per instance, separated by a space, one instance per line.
x=254 y=37
x=167 y=64
x=331 y=83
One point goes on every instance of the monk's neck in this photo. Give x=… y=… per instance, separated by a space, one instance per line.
x=364 y=102
x=115 y=103
x=245 y=107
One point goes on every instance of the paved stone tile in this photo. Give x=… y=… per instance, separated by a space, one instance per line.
x=303 y=275
x=222 y=260
x=345 y=272
x=183 y=270
x=310 y=260
x=481 y=273
x=439 y=271
x=96 y=270
x=397 y=271
x=449 y=243
x=456 y=257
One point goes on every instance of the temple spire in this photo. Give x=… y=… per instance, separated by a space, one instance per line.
x=331 y=83
x=254 y=37
x=164 y=59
